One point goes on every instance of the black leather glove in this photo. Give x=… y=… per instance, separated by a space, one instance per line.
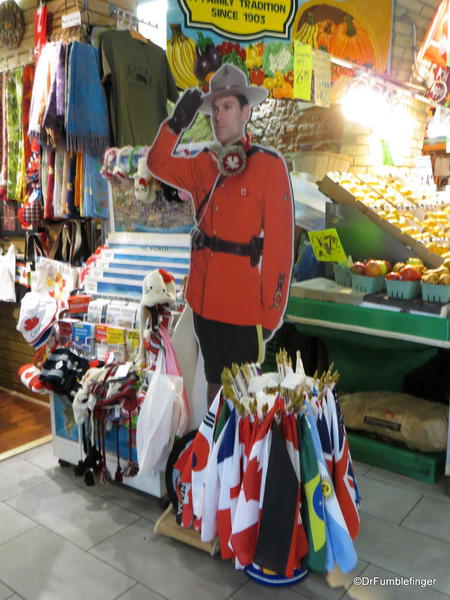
x=185 y=110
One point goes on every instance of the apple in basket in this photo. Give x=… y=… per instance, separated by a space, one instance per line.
x=409 y=274
x=375 y=268
x=393 y=276
x=358 y=268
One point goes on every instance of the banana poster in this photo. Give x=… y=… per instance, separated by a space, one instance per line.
x=258 y=36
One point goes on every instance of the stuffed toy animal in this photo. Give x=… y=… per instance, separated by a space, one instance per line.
x=158 y=288
x=145 y=186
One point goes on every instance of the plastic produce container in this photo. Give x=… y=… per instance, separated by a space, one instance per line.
x=342 y=275
x=432 y=292
x=368 y=285
x=402 y=289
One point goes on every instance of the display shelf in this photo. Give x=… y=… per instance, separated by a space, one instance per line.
x=419 y=329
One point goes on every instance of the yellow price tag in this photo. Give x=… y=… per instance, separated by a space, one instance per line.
x=327 y=246
x=133 y=338
x=303 y=70
x=115 y=336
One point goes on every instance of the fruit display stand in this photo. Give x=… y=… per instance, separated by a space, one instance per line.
x=371 y=225
x=373 y=347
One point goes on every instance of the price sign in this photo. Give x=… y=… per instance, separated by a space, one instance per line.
x=327 y=246
x=115 y=336
x=303 y=70
x=322 y=78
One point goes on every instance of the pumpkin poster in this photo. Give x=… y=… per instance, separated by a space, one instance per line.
x=355 y=30
x=258 y=37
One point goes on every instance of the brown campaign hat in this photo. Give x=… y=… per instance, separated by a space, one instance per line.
x=230 y=80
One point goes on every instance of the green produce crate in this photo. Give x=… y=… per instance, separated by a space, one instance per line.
x=425 y=467
x=435 y=293
x=402 y=289
x=342 y=275
x=368 y=285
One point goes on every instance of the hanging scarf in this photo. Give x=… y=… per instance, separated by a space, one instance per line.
x=14 y=119
x=4 y=163
x=87 y=114
x=71 y=178
x=28 y=78
x=57 y=189
x=64 y=206
x=53 y=121
x=40 y=30
x=95 y=193
x=48 y=212
x=45 y=70
x=78 y=201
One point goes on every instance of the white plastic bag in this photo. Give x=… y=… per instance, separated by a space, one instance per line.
x=158 y=418
x=8 y=275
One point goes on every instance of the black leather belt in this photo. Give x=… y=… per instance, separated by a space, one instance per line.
x=200 y=240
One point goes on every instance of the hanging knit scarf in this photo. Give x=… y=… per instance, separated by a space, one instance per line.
x=40 y=29
x=28 y=78
x=71 y=177
x=87 y=124
x=53 y=121
x=14 y=120
x=48 y=212
x=4 y=162
x=45 y=70
x=64 y=206
x=95 y=193
x=57 y=190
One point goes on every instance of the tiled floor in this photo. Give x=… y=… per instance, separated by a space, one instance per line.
x=60 y=540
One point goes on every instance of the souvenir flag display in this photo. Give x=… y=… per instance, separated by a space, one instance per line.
x=270 y=474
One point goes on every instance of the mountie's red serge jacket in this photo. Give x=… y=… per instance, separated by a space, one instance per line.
x=257 y=202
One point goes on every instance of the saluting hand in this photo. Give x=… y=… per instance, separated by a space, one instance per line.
x=185 y=110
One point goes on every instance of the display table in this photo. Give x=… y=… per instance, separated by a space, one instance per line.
x=66 y=447
x=372 y=346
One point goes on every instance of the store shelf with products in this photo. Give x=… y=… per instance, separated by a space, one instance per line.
x=376 y=341
x=109 y=327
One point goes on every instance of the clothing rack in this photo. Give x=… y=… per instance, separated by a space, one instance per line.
x=119 y=14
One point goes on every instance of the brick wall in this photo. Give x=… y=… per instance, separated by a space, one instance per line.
x=287 y=126
x=406 y=13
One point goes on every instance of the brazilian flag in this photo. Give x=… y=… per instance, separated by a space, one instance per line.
x=313 y=509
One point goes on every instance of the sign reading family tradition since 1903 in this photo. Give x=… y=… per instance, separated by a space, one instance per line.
x=241 y=18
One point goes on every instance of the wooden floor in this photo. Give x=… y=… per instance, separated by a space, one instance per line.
x=22 y=422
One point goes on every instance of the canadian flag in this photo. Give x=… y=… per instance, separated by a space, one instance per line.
x=246 y=519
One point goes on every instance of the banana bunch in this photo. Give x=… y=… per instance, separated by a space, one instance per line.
x=307 y=34
x=181 y=57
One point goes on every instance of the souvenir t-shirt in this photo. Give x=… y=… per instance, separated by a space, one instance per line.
x=138 y=82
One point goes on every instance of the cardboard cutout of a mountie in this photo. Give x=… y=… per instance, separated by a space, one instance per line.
x=242 y=245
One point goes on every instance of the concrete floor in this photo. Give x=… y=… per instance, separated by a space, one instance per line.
x=60 y=540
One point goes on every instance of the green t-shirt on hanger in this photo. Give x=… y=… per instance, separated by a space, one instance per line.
x=138 y=82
